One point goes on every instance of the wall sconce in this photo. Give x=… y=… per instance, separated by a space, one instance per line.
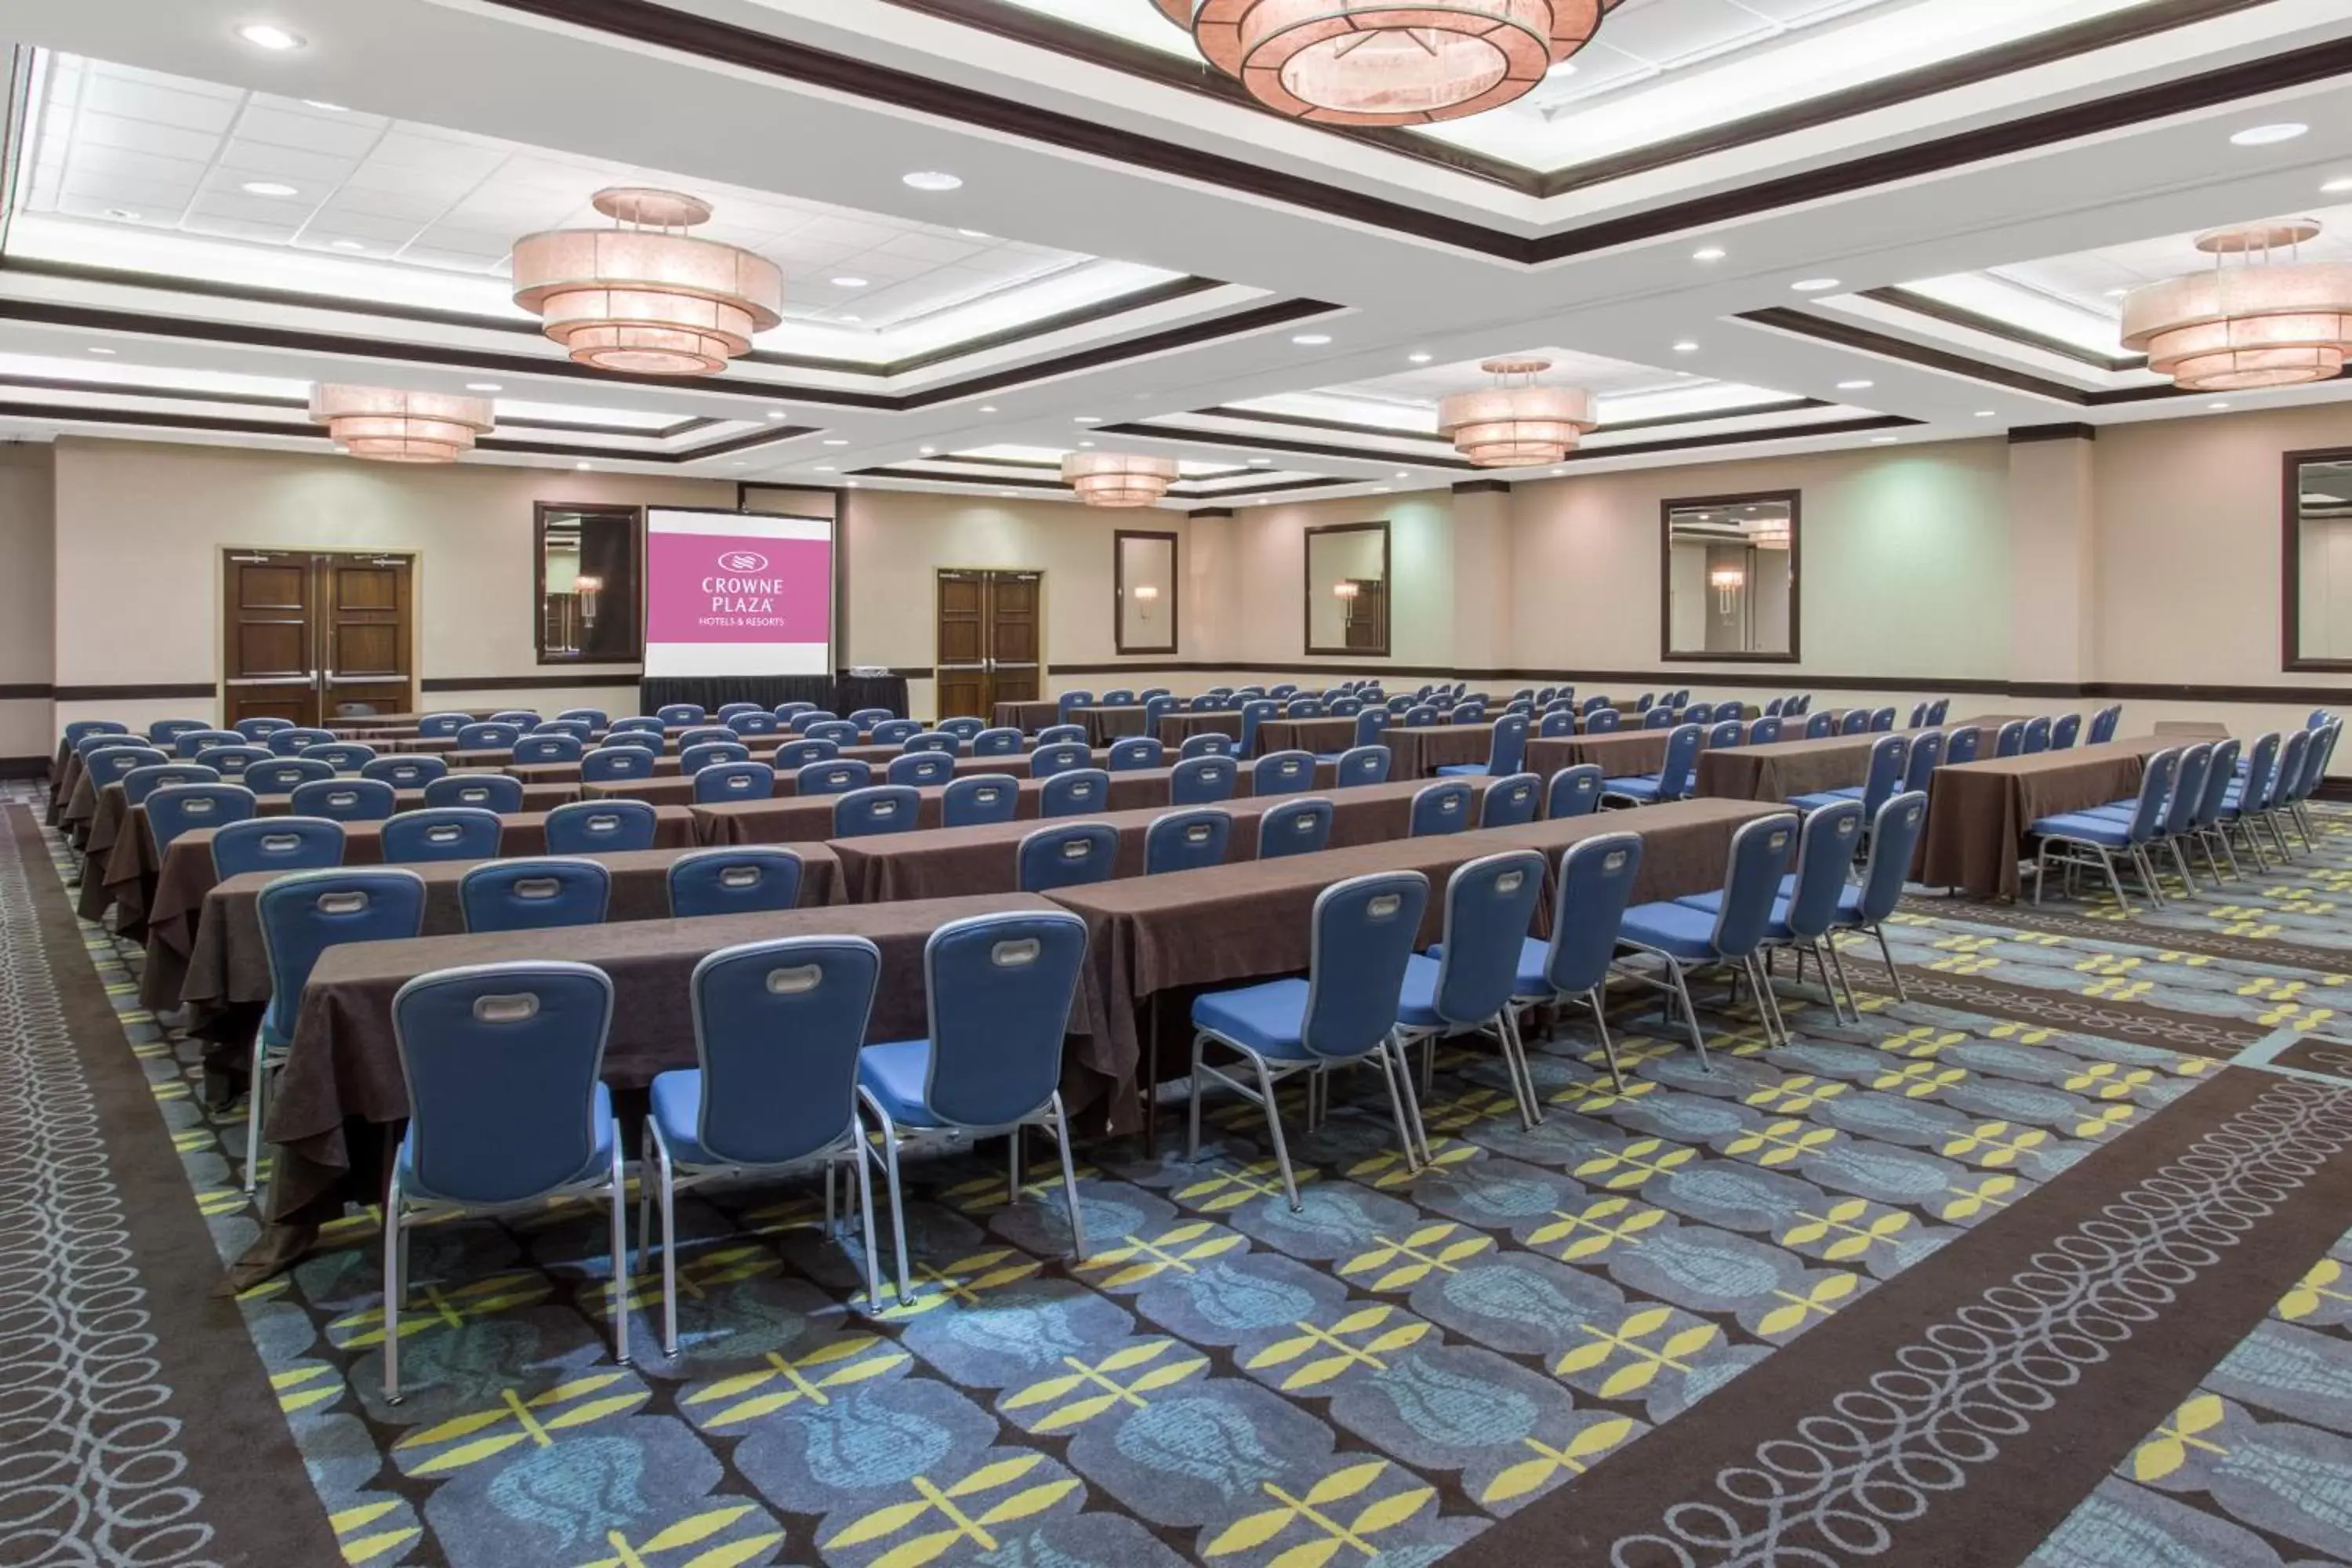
x=1345 y=590
x=1727 y=582
x=1145 y=595
x=585 y=587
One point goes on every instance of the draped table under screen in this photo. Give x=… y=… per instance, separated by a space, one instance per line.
x=843 y=694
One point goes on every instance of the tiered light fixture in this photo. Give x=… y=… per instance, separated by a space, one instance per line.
x=643 y=296
x=1516 y=423
x=1386 y=62
x=394 y=427
x=1118 y=479
x=2272 y=320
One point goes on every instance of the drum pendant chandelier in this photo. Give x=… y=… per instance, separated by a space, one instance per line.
x=1117 y=478
x=1515 y=424
x=644 y=296
x=393 y=426
x=2268 y=320
x=1386 y=62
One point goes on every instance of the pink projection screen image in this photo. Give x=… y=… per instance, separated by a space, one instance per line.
x=728 y=594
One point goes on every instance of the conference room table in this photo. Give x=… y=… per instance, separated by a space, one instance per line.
x=175 y=891
x=1155 y=941
x=343 y=1073
x=1105 y=723
x=446 y=746
x=1415 y=750
x=221 y=975
x=1787 y=768
x=121 y=868
x=1026 y=717
x=676 y=789
x=1978 y=813
x=1175 y=729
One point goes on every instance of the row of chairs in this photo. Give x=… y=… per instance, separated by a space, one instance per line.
x=469 y=817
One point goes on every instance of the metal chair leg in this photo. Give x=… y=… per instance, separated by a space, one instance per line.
x=1690 y=1013
x=1515 y=1062
x=1273 y=1126
x=1193 y=1137
x=658 y=1168
x=620 y=1206
x=394 y=1284
x=256 y=1095
x=1409 y=1122
x=1608 y=1046
x=897 y=1203
x=1069 y=1180
x=865 y=1150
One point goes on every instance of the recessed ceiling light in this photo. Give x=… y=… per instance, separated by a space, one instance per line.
x=1882 y=440
x=1987 y=414
x=777 y=412
x=853 y=484
x=1261 y=462
x=1007 y=494
x=1708 y=253
x=988 y=408
x=1419 y=359
x=975 y=234
x=124 y=212
x=1685 y=347
x=268 y=188
x=2217 y=405
x=322 y=105
x=262 y=36
x=1089 y=419
x=931 y=180
x=1311 y=340
x=1813 y=285
x=96 y=349
x=2337 y=188
x=836 y=441
x=1380 y=490
x=1086 y=443
x=345 y=244
x=1403 y=474
x=850 y=282
x=2116 y=293
x=738 y=463
x=579 y=465
x=825 y=468
x=1852 y=386
x=483 y=386
x=2264 y=135
x=929 y=451
x=1557 y=472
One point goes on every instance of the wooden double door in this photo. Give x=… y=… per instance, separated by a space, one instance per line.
x=310 y=636
x=988 y=639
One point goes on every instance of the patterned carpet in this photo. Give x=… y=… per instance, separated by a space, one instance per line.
x=2046 y=1264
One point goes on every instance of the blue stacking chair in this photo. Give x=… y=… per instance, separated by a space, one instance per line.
x=1805 y=910
x=1821 y=726
x=109 y=764
x=188 y=743
x=1882 y=719
x=733 y=781
x=1961 y=745
x=2247 y=802
x=293 y=741
x=745 y=878
x=174 y=809
x=1926 y=756
x=280 y=775
x=1295 y=828
x=1419 y=716
x=1070 y=854
x=1603 y=722
x=1203 y=781
x=1062 y=735
x=1281 y=690
x=81 y=729
x=1919 y=717
x=1507 y=755
x=579 y=730
x=1283 y=773
x=1661 y=717
x=1856 y=722
x=594 y=718
x=1156 y=706
x=521 y=718
x=507 y=1110
x=442 y=833
x=1302 y=707
x=1447 y=807
x=840 y=731
x=878 y=809
x=1596 y=884
x=1864 y=906
x=1362 y=765
x=1558 y=723
x=276 y=844
x=607 y=763
x=1723 y=734
x=1766 y=730
x=977 y=798
x=1573 y=791
x=601 y=827
x=808 y=719
x=866 y=717
x=491 y=792
x=2179 y=821
x=1882 y=778
x=489 y=736
x=2104 y=723
x=534 y=894
x=923 y=770
x=2066 y=731
x=708 y=734
x=945 y=742
x=1463 y=985
x=1208 y=745
x=650 y=742
x=163 y=733
x=101 y=741
x=2207 y=832
x=795 y=755
x=1511 y=802
x=406 y=773
x=345 y=800
x=1075 y=792
x=895 y=732
x=758 y=721
x=1186 y=840
x=1136 y=753
x=637 y=725
x=1343 y=1012
x=232 y=761
x=441 y=726
x=141 y=782
x=778 y=1028
x=1670 y=783
x=1059 y=757
x=678 y=713
x=548 y=749
x=258 y=729
x=2321 y=747
x=2077 y=840
x=1256 y=712
x=1003 y=743
x=2010 y=739
x=1681 y=937
x=838 y=777
x=1069 y=702
x=788 y=712
x=301 y=915
x=965 y=728
x=343 y=756
x=2037 y=735
x=1595 y=703
x=729 y=710
x=999 y=989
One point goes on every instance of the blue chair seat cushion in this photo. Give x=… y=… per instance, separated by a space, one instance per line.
x=1712 y=902
x=1644 y=786
x=599 y=1157
x=1267 y=1017
x=1673 y=929
x=1462 y=770
x=1821 y=798
x=894 y=1073
x=2089 y=829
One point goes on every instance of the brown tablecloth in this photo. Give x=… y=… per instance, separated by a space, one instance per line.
x=1324 y=737
x=1026 y=717
x=119 y=873
x=1621 y=753
x=1175 y=729
x=1420 y=751
x=1977 y=812
x=1249 y=920
x=226 y=966
x=345 y=1065
x=676 y=790
x=1104 y=725
x=953 y=862
x=175 y=894
x=1789 y=768
x=787 y=819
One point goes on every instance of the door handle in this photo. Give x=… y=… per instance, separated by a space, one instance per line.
x=306 y=678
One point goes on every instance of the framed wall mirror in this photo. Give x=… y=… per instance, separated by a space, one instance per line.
x=1143 y=582
x=2315 y=555
x=1729 y=577
x=588 y=575
x=1347 y=589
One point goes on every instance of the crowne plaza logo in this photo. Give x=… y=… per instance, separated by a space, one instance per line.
x=742 y=561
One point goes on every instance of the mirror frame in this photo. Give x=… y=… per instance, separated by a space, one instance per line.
x=2290 y=655
x=1118 y=590
x=635 y=603
x=1306 y=592
x=1794 y=501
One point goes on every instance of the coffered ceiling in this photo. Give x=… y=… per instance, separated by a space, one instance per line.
x=1748 y=226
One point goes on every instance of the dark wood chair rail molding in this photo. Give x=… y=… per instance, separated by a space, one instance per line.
x=748 y=49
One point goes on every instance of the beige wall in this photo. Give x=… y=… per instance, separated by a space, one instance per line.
x=27 y=605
